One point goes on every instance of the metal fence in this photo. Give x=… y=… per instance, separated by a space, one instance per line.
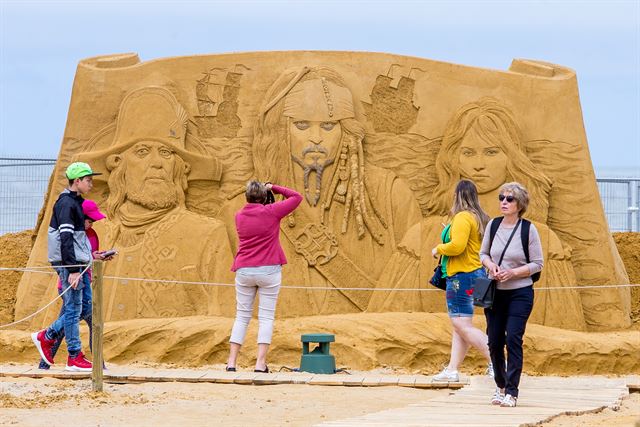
x=23 y=184
x=621 y=200
x=24 y=181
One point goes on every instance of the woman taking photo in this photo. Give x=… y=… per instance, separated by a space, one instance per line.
x=513 y=300
x=461 y=265
x=258 y=265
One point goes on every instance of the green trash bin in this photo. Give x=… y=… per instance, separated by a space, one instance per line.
x=320 y=360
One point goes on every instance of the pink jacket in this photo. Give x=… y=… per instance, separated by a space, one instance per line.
x=258 y=228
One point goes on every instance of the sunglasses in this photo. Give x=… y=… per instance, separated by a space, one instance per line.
x=509 y=198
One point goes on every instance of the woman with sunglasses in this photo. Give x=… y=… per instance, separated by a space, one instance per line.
x=505 y=259
x=461 y=266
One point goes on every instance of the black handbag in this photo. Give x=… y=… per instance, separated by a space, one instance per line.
x=437 y=280
x=484 y=288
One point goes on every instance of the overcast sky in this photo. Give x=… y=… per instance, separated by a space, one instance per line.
x=41 y=43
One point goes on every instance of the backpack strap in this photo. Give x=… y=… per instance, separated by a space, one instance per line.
x=524 y=236
x=495 y=224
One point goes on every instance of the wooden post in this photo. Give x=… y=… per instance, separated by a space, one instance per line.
x=97 y=325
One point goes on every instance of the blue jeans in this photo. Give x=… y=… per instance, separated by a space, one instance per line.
x=76 y=305
x=460 y=293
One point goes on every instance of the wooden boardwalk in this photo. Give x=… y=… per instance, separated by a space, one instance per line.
x=541 y=398
x=123 y=374
x=467 y=404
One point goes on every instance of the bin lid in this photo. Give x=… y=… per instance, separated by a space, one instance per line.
x=319 y=337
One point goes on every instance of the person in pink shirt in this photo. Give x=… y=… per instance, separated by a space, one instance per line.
x=91 y=214
x=258 y=265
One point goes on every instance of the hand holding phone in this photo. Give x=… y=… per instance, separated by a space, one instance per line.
x=107 y=255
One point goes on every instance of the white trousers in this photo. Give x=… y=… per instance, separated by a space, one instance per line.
x=265 y=281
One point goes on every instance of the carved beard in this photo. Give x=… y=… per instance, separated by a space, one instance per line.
x=316 y=167
x=157 y=196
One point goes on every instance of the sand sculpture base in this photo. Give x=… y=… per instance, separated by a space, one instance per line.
x=363 y=341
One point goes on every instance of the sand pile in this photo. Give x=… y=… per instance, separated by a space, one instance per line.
x=14 y=252
x=416 y=342
x=629 y=247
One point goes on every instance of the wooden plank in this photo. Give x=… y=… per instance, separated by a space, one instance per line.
x=371 y=381
x=353 y=380
x=14 y=370
x=219 y=377
x=266 y=379
x=245 y=378
x=389 y=380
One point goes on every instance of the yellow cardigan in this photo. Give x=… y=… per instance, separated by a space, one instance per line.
x=464 y=248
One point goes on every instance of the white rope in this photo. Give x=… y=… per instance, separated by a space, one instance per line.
x=322 y=288
x=332 y=288
x=43 y=267
x=313 y=288
x=43 y=308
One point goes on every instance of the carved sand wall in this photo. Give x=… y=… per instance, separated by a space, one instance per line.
x=374 y=142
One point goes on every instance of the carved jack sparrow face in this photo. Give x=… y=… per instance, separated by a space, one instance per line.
x=313 y=147
x=149 y=175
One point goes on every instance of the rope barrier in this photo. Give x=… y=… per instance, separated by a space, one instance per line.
x=309 y=288
x=318 y=288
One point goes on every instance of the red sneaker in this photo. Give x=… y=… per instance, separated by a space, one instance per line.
x=78 y=364
x=43 y=345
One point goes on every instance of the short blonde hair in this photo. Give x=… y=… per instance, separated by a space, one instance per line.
x=519 y=193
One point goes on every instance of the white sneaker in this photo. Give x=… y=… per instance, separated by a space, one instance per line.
x=489 y=372
x=509 y=401
x=498 y=397
x=447 y=376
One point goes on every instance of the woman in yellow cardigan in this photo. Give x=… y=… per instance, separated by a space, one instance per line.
x=461 y=264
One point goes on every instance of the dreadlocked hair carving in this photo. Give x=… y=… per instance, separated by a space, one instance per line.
x=348 y=184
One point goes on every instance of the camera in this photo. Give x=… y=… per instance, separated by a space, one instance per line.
x=270 y=197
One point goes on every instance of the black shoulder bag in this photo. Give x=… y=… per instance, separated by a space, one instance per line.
x=484 y=289
x=437 y=280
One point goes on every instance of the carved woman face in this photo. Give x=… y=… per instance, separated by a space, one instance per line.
x=483 y=162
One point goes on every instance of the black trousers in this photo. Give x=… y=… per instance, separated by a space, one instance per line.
x=506 y=323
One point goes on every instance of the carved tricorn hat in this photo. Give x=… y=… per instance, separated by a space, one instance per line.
x=150 y=114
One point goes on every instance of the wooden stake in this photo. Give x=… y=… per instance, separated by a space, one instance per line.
x=97 y=326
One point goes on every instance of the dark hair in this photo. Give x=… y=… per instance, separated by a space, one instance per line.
x=256 y=192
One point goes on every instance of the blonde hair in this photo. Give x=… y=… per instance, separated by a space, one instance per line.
x=519 y=193
x=466 y=199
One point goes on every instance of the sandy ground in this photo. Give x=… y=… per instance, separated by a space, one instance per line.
x=49 y=402
x=364 y=341
x=627 y=416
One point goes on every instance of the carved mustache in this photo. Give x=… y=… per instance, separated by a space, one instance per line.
x=315 y=149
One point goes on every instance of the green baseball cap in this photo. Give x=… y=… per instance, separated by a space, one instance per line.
x=79 y=170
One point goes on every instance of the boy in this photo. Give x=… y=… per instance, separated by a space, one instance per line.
x=69 y=246
x=91 y=214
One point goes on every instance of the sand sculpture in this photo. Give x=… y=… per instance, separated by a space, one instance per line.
x=374 y=142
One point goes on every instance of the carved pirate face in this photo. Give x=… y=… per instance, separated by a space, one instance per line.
x=482 y=162
x=149 y=174
x=313 y=141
